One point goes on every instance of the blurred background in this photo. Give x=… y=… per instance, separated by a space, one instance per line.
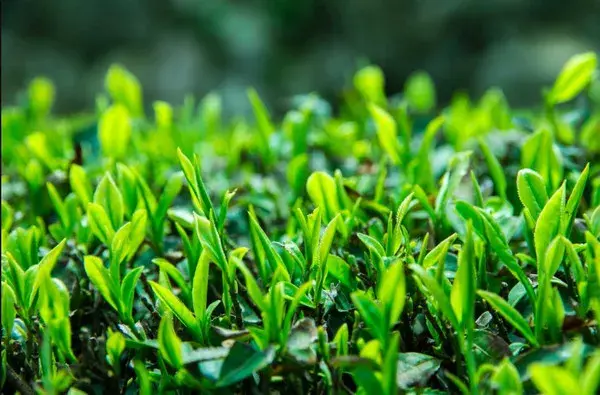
x=283 y=48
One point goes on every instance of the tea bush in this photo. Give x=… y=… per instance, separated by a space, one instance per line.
x=395 y=247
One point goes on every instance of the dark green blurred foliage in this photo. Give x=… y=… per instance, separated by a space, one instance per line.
x=285 y=47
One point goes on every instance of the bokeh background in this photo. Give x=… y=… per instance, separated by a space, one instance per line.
x=285 y=48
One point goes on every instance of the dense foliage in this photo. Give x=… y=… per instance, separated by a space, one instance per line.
x=395 y=247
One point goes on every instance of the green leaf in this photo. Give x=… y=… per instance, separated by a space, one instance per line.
x=100 y=277
x=263 y=123
x=415 y=369
x=590 y=378
x=322 y=191
x=540 y=153
x=386 y=132
x=506 y=378
x=192 y=173
x=7 y=217
x=128 y=291
x=575 y=75
x=128 y=182
x=439 y=252
x=437 y=293
x=420 y=91
x=477 y=195
x=41 y=94
x=372 y=244
x=163 y=113
x=8 y=308
x=172 y=271
x=326 y=241
x=118 y=250
x=496 y=170
x=485 y=226
x=143 y=377
x=47 y=264
x=275 y=261
x=108 y=196
x=299 y=298
x=588 y=136
x=137 y=232
x=225 y=200
x=554 y=257
x=462 y=295
x=200 y=286
x=177 y=307
x=115 y=345
x=369 y=82
x=510 y=314
x=114 y=131
x=100 y=223
x=341 y=271
x=295 y=294
x=341 y=340
x=423 y=172
x=457 y=169
x=562 y=382
x=422 y=198
x=210 y=240
x=124 y=88
x=168 y=342
x=297 y=173
x=532 y=191
x=547 y=226
x=59 y=205
x=80 y=184
x=390 y=365
x=573 y=202
x=241 y=362
x=169 y=194
x=371 y=313
x=367 y=380
x=392 y=293
x=252 y=287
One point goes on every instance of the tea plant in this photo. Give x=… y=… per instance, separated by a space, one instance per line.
x=398 y=247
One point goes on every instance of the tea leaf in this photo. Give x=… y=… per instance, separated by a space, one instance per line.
x=109 y=197
x=241 y=362
x=548 y=224
x=200 y=286
x=573 y=202
x=420 y=91
x=114 y=131
x=371 y=314
x=574 y=77
x=386 y=132
x=168 y=342
x=124 y=88
x=177 y=307
x=322 y=191
x=510 y=314
x=100 y=277
x=532 y=191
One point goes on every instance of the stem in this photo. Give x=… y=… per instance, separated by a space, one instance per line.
x=467 y=344
x=20 y=384
x=237 y=310
x=571 y=285
x=434 y=323
x=457 y=346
